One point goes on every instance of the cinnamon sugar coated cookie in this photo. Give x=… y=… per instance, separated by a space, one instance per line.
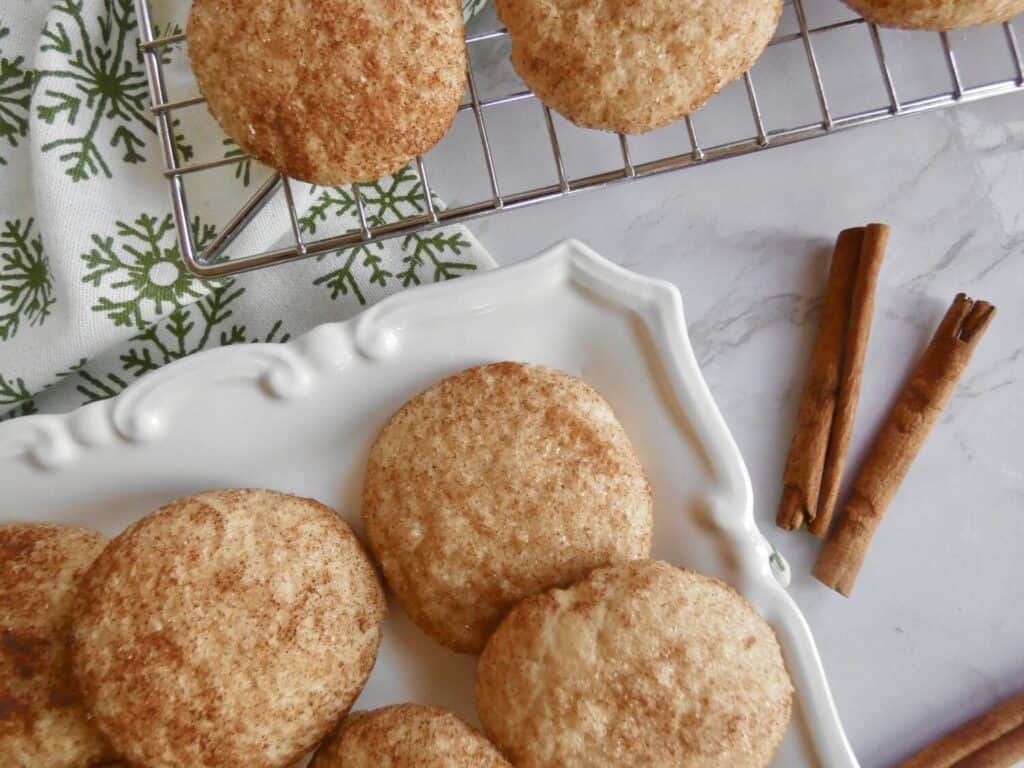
x=936 y=14
x=407 y=736
x=632 y=67
x=330 y=91
x=495 y=484
x=638 y=664
x=43 y=721
x=226 y=629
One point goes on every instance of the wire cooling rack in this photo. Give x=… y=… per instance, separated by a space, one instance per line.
x=808 y=38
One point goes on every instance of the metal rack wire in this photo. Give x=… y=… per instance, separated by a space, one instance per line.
x=211 y=262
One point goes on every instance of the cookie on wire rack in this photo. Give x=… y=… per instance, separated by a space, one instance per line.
x=936 y=14
x=638 y=664
x=497 y=483
x=407 y=736
x=330 y=91
x=632 y=67
x=228 y=628
x=43 y=721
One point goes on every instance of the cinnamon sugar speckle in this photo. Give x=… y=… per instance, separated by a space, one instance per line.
x=330 y=91
x=229 y=628
x=43 y=721
x=638 y=664
x=626 y=66
x=407 y=736
x=497 y=483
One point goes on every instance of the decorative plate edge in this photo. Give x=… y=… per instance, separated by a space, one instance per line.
x=144 y=411
x=733 y=510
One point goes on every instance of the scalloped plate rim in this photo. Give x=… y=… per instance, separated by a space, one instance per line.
x=331 y=346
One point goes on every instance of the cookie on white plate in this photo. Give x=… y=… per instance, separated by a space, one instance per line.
x=228 y=628
x=497 y=483
x=407 y=736
x=43 y=720
x=638 y=664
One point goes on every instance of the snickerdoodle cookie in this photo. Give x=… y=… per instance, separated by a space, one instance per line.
x=407 y=736
x=936 y=14
x=43 y=721
x=495 y=484
x=229 y=628
x=638 y=664
x=632 y=67
x=330 y=91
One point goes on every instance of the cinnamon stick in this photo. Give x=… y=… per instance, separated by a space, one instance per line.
x=903 y=433
x=996 y=735
x=862 y=309
x=801 y=479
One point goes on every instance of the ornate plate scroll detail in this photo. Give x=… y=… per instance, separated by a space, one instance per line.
x=143 y=412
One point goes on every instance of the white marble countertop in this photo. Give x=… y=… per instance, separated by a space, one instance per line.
x=934 y=631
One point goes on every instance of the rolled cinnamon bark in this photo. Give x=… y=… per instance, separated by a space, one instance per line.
x=801 y=479
x=862 y=310
x=903 y=433
x=991 y=740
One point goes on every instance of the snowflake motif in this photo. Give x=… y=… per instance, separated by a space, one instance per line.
x=27 y=408
x=341 y=281
x=384 y=201
x=437 y=252
x=166 y=52
x=101 y=79
x=471 y=8
x=185 y=331
x=243 y=163
x=26 y=286
x=13 y=391
x=142 y=271
x=15 y=95
x=185 y=150
x=21 y=394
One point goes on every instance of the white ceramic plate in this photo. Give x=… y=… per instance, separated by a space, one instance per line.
x=301 y=417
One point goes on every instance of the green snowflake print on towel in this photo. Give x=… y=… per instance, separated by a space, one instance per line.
x=243 y=162
x=27 y=404
x=15 y=399
x=26 y=285
x=433 y=257
x=185 y=331
x=98 y=91
x=471 y=8
x=429 y=257
x=140 y=270
x=342 y=280
x=385 y=200
x=15 y=94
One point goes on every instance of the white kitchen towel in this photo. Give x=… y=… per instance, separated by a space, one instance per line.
x=93 y=293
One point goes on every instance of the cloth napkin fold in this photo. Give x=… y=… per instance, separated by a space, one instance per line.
x=93 y=293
